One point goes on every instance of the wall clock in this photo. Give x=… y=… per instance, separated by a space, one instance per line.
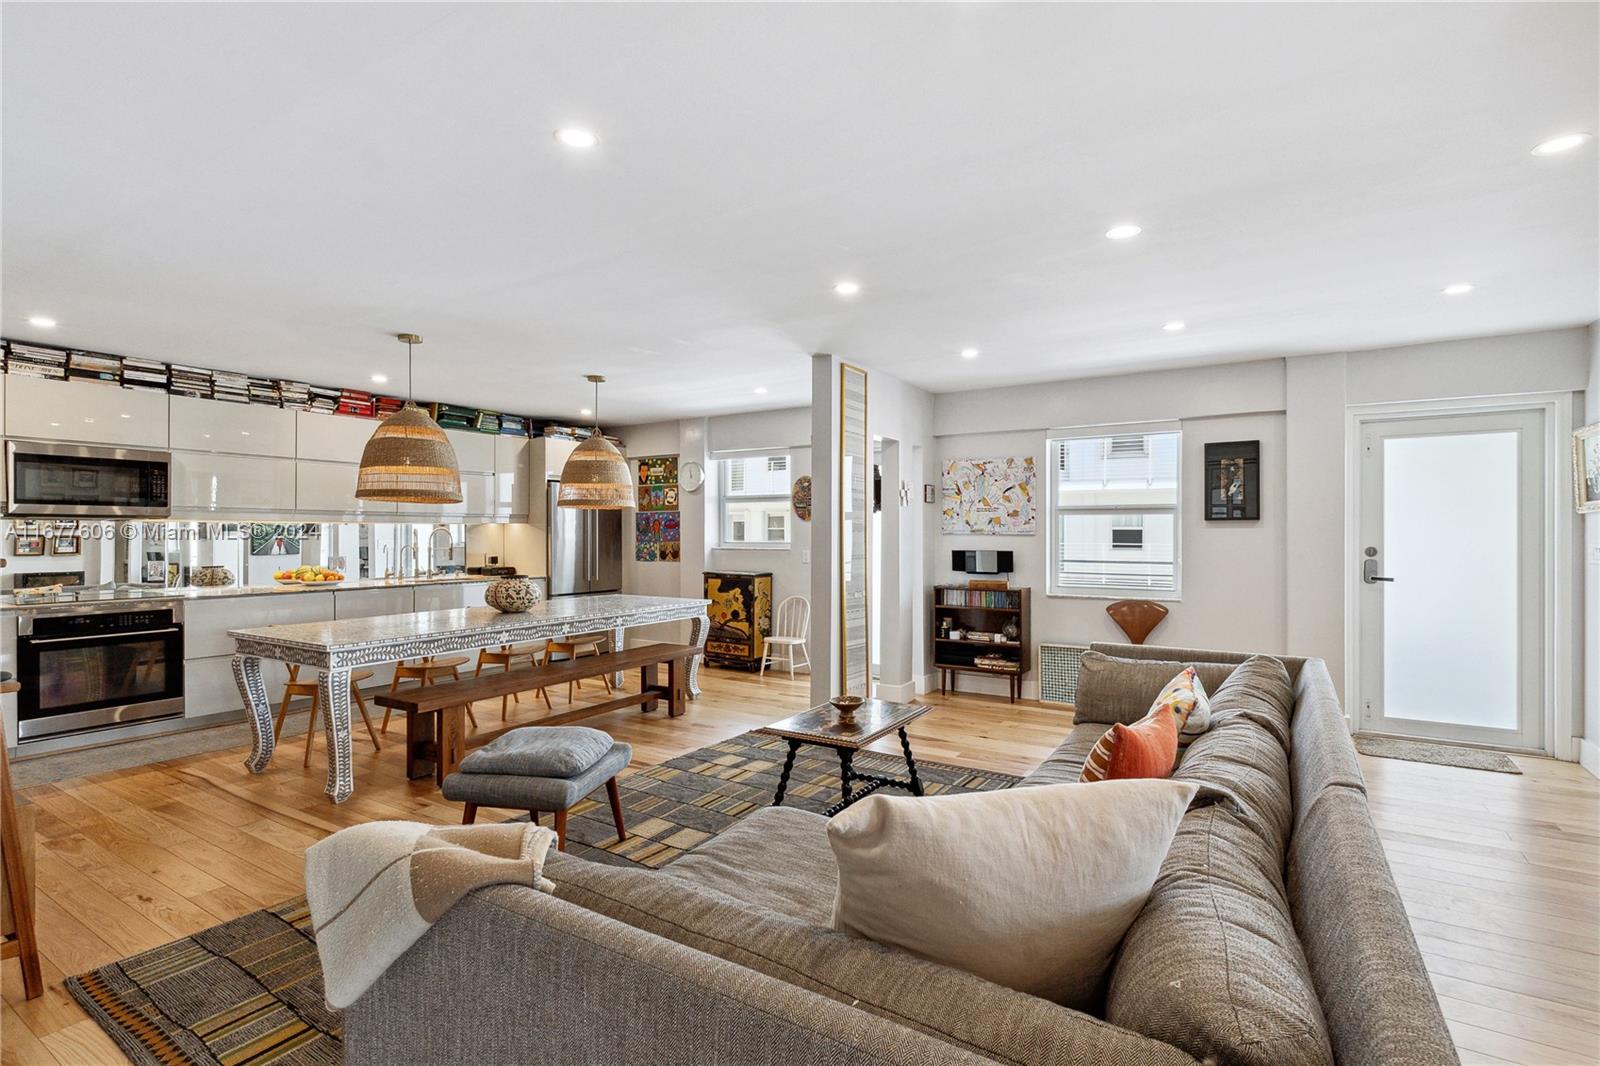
x=691 y=476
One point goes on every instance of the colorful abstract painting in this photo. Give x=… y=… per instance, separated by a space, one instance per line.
x=989 y=496
x=655 y=525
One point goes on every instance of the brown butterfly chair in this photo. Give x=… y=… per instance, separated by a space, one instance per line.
x=1137 y=618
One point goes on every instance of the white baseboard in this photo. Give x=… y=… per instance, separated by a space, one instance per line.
x=896 y=693
x=1589 y=756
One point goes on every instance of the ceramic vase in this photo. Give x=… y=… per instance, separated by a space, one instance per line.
x=513 y=595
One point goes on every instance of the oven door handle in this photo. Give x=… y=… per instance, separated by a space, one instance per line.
x=103 y=636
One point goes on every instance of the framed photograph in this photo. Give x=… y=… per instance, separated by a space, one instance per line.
x=66 y=544
x=1586 y=468
x=27 y=544
x=930 y=494
x=1233 y=481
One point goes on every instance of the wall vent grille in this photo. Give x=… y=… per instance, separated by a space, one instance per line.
x=1058 y=672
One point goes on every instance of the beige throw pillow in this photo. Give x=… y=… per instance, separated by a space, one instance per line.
x=1031 y=888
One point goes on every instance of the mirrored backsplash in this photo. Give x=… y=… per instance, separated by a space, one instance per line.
x=196 y=554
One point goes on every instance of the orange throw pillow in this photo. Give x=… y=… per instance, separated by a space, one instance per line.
x=1148 y=748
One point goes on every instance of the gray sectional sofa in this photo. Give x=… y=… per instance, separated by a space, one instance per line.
x=1274 y=934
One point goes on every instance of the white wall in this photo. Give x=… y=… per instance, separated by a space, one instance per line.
x=1276 y=585
x=1590 y=748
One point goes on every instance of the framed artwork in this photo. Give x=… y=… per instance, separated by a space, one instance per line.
x=993 y=496
x=27 y=544
x=930 y=494
x=66 y=543
x=655 y=524
x=269 y=539
x=1586 y=468
x=1233 y=481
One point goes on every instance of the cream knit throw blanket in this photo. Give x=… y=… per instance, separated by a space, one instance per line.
x=374 y=889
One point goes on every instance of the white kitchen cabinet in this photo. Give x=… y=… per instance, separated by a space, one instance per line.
x=474 y=450
x=85 y=411
x=329 y=490
x=206 y=621
x=242 y=428
x=372 y=603
x=511 y=478
x=477 y=502
x=334 y=438
x=449 y=597
x=208 y=483
x=546 y=457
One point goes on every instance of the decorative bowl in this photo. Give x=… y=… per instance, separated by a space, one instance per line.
x=210 y=577
x=513 y=595
x=846 y=706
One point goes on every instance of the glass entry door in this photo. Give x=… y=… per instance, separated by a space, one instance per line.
x=1451 y=591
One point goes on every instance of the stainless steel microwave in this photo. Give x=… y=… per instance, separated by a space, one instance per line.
x=48 y=480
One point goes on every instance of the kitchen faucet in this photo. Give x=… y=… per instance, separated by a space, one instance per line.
x=449 y=545
x=401 y=561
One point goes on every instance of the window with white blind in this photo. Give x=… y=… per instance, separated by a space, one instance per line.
x=754 y=500
x=1114 y=513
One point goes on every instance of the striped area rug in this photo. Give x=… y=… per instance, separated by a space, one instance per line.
x=249 y=992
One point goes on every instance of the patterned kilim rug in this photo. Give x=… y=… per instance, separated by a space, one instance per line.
x=249 y=992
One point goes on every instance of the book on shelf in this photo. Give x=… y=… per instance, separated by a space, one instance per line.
x=30 y=360
x=144 y=374
x=997 y=598
x=91 y=366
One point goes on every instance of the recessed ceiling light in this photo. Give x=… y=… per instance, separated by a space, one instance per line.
x=42 y=321
x=576 y=137
x=585 y=412
x=847 y=288
x=58 y=425
x=125 y=415
x=1177 y=325
x=969 y=353
x=761 y=390
x=1123 y=231
x=1564 y=143
x=88 y=420
x=244 y=433
x=1460 y=288
x=380 y=379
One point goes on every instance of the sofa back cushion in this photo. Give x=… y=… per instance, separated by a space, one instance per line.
x=956 y=1007
x=1213 y=963
x=1380 y=1005
x=1321 y=753
x=1112 y=690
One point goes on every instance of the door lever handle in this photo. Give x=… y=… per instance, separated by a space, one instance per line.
x=1369 y=572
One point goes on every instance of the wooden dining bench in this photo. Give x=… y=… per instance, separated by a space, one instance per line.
x=436 y=733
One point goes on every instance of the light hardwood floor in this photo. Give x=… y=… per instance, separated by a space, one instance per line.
x=1500 y=874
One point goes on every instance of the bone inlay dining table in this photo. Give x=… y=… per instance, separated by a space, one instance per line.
x=336 y=648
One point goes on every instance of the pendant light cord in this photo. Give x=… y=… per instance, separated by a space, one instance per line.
x=411 y=380
x=597 y=407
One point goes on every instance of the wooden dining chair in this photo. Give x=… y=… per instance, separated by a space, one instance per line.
x=425 y=671
x=576 y=647
x=503 y=657
x=1136 y=618
x=296 y=688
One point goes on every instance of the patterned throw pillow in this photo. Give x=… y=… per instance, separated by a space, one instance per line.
x=1183 y=702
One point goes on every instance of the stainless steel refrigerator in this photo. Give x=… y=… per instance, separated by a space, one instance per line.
x=585 y=547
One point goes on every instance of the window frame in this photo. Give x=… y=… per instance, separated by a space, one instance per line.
x=724 y=499
x=1053 y=586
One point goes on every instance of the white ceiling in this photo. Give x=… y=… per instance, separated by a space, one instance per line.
x=279 y=188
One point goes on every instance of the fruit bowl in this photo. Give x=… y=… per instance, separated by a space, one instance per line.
x=308 y=575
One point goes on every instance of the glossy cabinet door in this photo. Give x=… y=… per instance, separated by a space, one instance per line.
x=329 y=489
x=333 y=438
x=206 y=621
x=474 y=450
x=477 y=502
x=85 y=411
x=205 y=483
x=447 y=597
x=511 y=478
x=246 y=429
x=372 y=603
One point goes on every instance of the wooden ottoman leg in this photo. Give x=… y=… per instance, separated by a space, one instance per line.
x=561 y=830
x=469 y=814
x=616 y=808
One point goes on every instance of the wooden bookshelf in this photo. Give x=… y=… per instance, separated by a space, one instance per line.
x=957 y=608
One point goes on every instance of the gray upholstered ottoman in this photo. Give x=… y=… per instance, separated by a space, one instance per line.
x=541 y=768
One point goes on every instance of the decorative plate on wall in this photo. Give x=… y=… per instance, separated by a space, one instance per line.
x=800 y=496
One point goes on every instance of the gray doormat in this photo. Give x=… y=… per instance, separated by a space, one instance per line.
x=1438 y=754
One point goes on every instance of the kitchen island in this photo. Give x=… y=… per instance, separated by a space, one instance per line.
x=335 y=648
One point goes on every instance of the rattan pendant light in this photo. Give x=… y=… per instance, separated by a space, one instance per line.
x=409 y=459
x=596 y=475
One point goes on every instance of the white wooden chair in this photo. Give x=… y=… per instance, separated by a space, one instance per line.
x=791 y=626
